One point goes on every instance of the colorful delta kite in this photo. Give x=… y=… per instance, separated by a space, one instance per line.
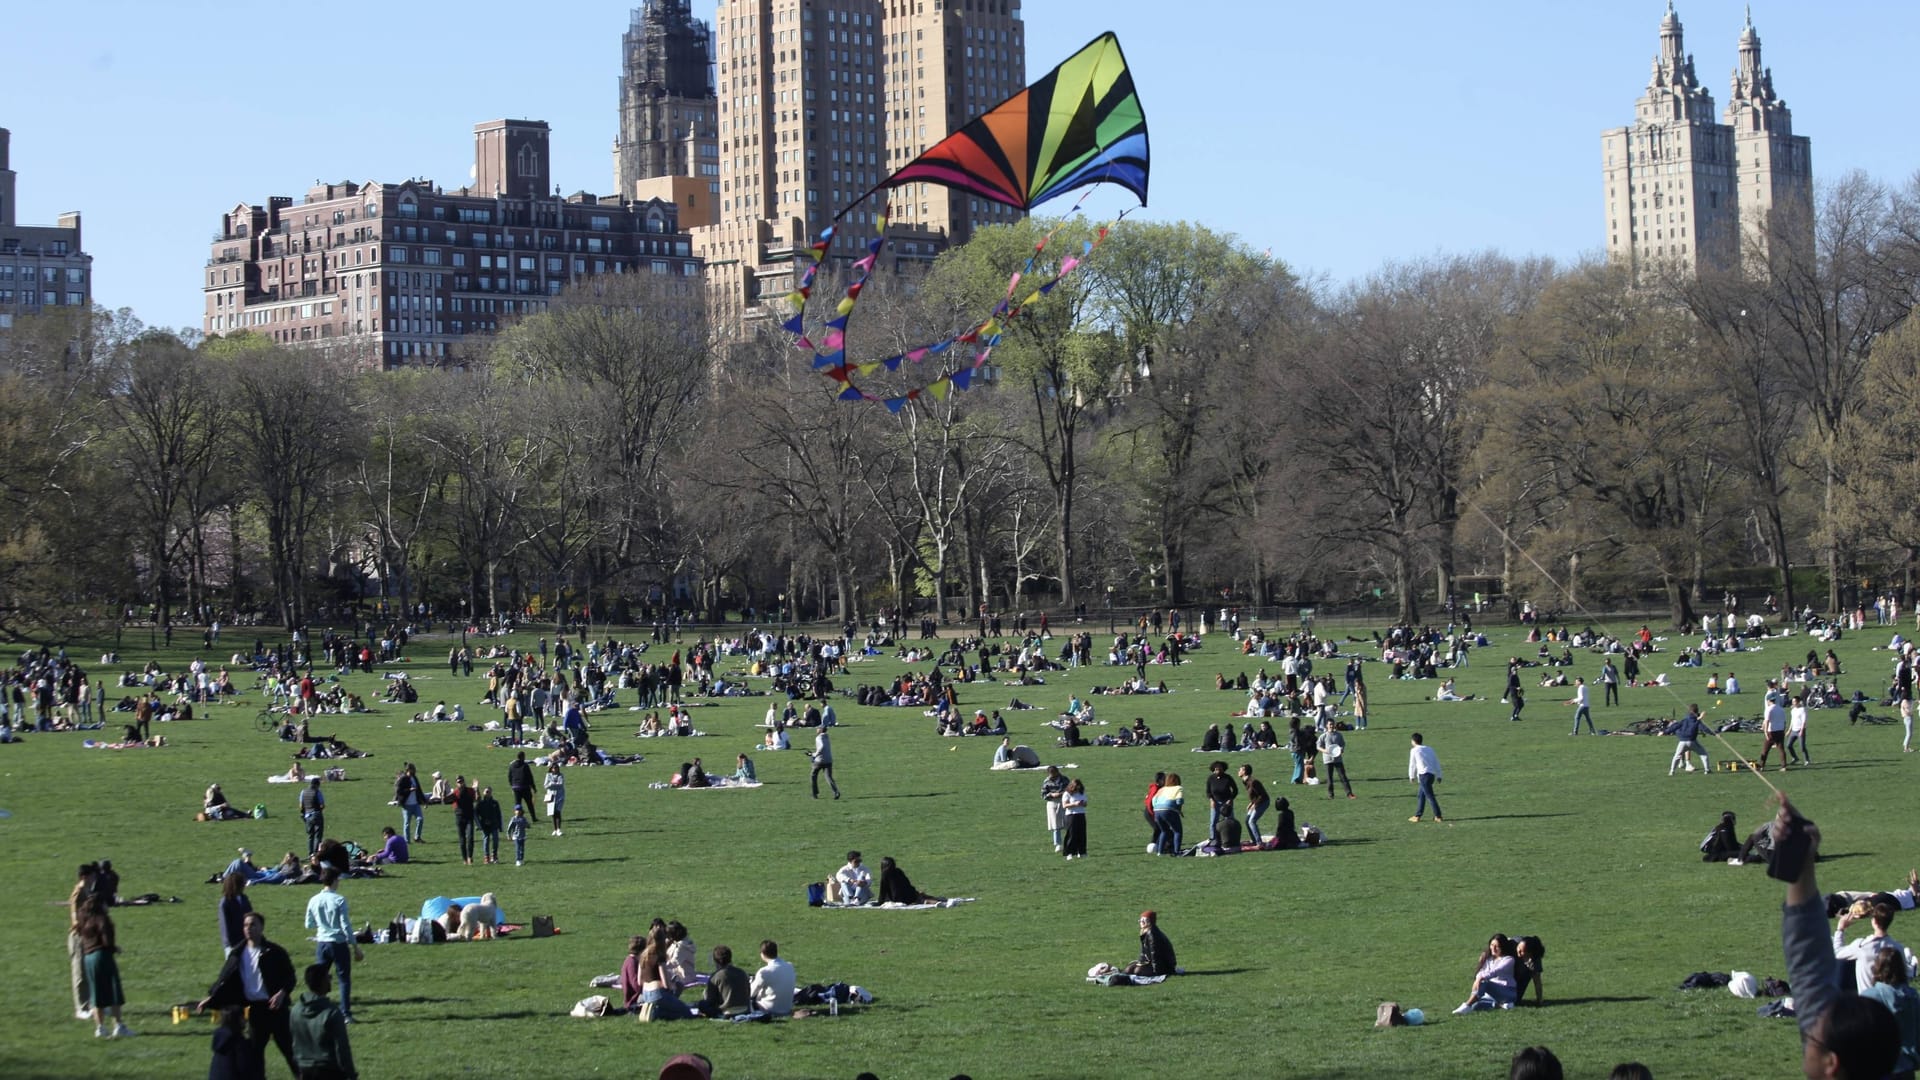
x=1079 y=125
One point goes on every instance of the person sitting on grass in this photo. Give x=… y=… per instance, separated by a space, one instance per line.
x=1529 y=961
x=1156 y=952
x=855 y=881
x=896 y=888
x=1722 y=843
x=1493 y=980
x=728 y=988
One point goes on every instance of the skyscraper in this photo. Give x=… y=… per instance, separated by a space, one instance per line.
x=819 y=101
x=1687 y=191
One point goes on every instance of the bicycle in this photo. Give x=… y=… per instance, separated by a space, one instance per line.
x=268 y=721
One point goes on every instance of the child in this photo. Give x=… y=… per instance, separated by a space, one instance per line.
x=517 y=828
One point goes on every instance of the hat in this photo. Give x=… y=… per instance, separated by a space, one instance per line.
x=436 y=774
x=246 y=854
x=687 y=1067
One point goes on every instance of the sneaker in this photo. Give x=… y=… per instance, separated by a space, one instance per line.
x=99 y=1031
x=122 y=1031
x=346 y=1018
x=83 y=1014
x=1351 y=795
x=1464 y=1009
x=1152 y=849
x=1437 y=818
x=519 y=862
x=1056 y=849
x=1414 y=818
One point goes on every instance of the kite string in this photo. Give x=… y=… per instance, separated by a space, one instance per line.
x=1507 y=538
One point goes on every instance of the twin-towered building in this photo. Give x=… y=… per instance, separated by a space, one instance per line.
x=1691 y=192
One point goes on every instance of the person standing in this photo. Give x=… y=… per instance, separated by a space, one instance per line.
x=76 y=951
x=1513 y=680
x=1518 y=699
x=407 y=792
x=97 y=949
x=1581 y=707
x=486 y=812
x=1333 y=751
x=313 y=810
x=258 y=976
x=823 y=762
x=1423 y=768
x=332 y=928
x=556 y=793
x=1051 y=789
x=1775 y=726
x=463 y=802
x=1797 y=732
x=1153 y=823
x=517 y=831
x=515 y=720
x=520 y=781
x=1360 y=704
x=1166 y=814
x=1073 y=804
x=234 y=909
x=1300 y=744
x=1221 y=791
x=320 y=1046
x=1609 y=683
x=1687 y=735
x=1257 y=802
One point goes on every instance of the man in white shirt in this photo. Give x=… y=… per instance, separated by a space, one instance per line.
x=1581 y=707
x=258 y=976
x=1861 y=951
x=856 y=881
x=1423 y=768
x=772 y=985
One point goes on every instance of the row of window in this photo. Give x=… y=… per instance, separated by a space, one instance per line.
x=49 y=275
x=47 y=298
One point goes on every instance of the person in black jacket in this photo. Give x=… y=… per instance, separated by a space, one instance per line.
x=1221 y=791
x=1156 y=952
x=267 y=1002
x=520 y=779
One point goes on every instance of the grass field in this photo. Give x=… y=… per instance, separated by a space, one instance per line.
x=1584 y=841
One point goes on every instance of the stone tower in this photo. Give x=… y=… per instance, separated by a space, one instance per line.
x=1773 y=166
x=666 y=95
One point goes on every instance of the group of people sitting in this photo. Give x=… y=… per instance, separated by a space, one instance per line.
x=677 y=722
x=950 y=723
x=852 y=885
x=1223 y=741
x=693 y=774
x=659 y=968
x=1507 y=966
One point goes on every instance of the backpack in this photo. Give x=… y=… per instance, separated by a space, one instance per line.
x=260 y=810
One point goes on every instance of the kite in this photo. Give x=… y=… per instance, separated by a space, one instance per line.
x=1078 y=126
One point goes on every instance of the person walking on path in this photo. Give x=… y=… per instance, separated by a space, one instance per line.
x=823 y=762
x=332 y=928
x=1687 y=735
x=258 y=976
x=1609 y=683
x=1423 y=768
x=520 y=780
x=1582 y=709
x=313 y=810
x=1333 y=752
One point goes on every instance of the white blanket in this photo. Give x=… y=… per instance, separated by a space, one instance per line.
x=947 y=903
x=1014 y=766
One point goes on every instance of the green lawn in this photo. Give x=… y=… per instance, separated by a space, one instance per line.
x=1586 y=842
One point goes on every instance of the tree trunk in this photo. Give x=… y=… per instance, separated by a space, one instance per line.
x=1679 y=604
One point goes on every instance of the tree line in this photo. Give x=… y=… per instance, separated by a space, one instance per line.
x=1181 y=420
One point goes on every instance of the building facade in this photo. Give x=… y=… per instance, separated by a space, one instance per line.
x=818 y=101
x=401 y=273
x=1691 y=191
x=43 y=268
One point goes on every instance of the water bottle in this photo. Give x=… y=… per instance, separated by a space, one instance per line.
x=833 y=1004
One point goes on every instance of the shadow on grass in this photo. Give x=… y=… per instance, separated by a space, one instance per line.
x=1347 y=841
x=583 y=861
x=1512 y=817
x=909 y=795
x=1551 y=1003
x=1219 y=971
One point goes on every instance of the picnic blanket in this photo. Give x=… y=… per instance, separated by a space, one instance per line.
x=1104 y=974
x=714 y=783
x=953 y=901
x=1015 y=766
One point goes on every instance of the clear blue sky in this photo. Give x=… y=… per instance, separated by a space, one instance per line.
x=1340 y=135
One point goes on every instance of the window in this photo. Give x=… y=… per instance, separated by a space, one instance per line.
x=397 y=254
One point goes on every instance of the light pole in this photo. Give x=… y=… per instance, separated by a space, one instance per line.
x=1110 y=623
